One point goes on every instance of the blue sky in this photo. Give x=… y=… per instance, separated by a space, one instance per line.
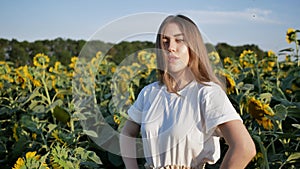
x=236 y=22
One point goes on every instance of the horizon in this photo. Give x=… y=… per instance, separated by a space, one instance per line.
x=120 y=42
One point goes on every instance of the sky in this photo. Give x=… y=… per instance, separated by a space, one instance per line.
x=236 y=22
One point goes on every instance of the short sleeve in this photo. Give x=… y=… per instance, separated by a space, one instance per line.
x=217 y=108
x=135 y=111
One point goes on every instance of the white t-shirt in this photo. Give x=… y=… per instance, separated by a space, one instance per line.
x=181 y=129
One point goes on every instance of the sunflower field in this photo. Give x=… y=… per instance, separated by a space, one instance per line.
x=44 y=107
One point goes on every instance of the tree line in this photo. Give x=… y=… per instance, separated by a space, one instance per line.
x=59 y=49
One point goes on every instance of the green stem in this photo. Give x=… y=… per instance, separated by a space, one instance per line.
x=278 y=71
x=47 y=94
x=273 y=146
x=263 y=151
x=258 y=78
x=297 y=53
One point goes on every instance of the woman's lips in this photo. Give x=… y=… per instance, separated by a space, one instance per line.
x=172 y=58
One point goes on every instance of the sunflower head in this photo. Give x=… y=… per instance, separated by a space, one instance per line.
x=248 y=58
x=31 y=160
x=291 y=35
x=227 y=60
x=214 y=57
x=271 y=53
x=260 y=112
x=41 y=60
x=142 y=57
x=73 y=62
x=230 y=82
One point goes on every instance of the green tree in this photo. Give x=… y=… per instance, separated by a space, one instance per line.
x=18 y=54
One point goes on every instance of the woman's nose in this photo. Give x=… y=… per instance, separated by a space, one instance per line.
x=172 y=46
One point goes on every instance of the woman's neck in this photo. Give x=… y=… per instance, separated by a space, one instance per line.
x=182 y=78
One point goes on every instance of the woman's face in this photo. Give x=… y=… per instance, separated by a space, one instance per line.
x=176 y=52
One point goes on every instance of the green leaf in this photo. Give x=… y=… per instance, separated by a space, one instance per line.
x=56 y=103
x=247 y=87
x=278 y=94
x=287 y=50
x=28 y=123
x=39 y=109
x=296 y=125
x=51 y=127
x=79 y=116
x=61 y=114
x=93 y=156
x=281 y=112
x=33 y=104
x=293 y=157
x=90 y=133
x=266 y=97
x=34 y=94
x=293 y=111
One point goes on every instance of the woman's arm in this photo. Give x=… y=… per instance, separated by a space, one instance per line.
x=128 y=144
x=241 y=146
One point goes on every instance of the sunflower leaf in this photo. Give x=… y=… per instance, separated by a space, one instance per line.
x=266 y=97
x=296 y=125
x=293 y=157
x=287 y=50
x=281 y=111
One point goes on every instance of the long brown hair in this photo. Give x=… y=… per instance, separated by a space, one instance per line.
x=199 y=63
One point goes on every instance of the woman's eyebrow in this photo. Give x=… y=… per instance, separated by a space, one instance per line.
x=176 y=35
x=179 y=34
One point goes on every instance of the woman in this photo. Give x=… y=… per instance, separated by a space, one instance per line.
x=182 y=117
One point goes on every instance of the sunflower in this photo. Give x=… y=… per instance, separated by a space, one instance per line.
x=113 y=69
x=230 y=82
x=31 y=159
x=260 y=111
x=291 y=35
x=267 y=65
x=271 y=53
x=125 y=72
x=4 y=67
x=19 y=164
x=73 y=62
x=5 y=71
x=41 y=60
x=142 y=57
x=227 y=60
x=214 y=57
x=22 y=76
x=152 y=60
x=248 y=58
x=117 y=119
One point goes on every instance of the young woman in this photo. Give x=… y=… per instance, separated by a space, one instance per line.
x=182 y=116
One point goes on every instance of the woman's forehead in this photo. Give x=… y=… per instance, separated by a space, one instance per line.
x=172 y=30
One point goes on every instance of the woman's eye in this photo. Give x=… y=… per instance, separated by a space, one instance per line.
x=165 y=40
x=179 y=40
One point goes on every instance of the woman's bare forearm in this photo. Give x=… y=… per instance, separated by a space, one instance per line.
x=241 y=146
x=236 y=158
x=128 y=144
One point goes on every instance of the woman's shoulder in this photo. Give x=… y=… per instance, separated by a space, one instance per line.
x=152 y=87
x=155 y=84
x=208 y=88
